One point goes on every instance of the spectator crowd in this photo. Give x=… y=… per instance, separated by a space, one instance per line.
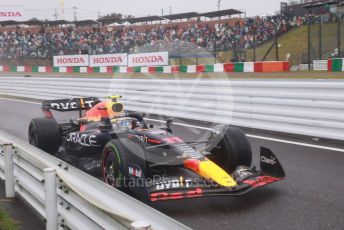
x=124 y=39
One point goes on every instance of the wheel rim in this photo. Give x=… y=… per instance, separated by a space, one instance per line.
x=111 y=168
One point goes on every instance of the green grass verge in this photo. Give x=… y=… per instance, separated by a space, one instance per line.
x=6 y=222
x=294 y=42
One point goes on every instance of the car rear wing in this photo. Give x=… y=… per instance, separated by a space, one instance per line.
x=66 y=105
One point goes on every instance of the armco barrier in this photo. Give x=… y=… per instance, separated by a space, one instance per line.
x=305 y=107
x=244 y=67
x=336 y=65
x=75 y=200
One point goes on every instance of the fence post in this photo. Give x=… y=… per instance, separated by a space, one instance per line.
x=197 y=61
x=9 y=171
x=254 y=46
x=338 y=31
x=309 y=38
x=320 y=37
x=215 y=52
x=50 y=199
x=276 y=47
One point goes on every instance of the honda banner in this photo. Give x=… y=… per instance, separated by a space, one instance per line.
x=148 y=59
x=109 y=60
x=11 y=13
x=71 y=60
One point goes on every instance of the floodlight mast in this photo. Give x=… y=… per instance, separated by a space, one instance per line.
x=219 y=5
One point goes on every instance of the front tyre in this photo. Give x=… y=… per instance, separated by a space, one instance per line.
x=124 y=166
x=112 y=165
x=233 y=150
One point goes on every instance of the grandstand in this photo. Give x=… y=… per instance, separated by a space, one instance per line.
x=186 y=35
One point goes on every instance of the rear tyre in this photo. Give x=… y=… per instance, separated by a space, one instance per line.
x=124 y=166
x=44 y=133
x=233 y=150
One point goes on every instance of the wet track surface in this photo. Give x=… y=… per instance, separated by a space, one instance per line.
x=311 y=196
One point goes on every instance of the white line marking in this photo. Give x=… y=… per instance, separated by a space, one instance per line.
x=209 y=129
x=262 y=137
x=29 y=102
x=296 y=143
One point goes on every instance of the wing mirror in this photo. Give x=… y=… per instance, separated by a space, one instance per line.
x=169 y=123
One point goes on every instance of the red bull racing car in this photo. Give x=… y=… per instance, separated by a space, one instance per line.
x=151 y=162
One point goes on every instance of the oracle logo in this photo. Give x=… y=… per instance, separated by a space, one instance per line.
x=10 y=14
x=147 y=59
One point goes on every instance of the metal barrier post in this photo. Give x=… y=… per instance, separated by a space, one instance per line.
x=9 y=171
x=50 y=199
x=140 y=225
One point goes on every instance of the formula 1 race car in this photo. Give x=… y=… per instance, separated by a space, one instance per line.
x=152 y=162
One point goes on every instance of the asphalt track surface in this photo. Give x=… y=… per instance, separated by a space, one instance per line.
x=311 y=196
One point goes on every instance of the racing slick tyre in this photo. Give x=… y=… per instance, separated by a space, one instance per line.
x=44 y=133
x=233 y=150
x=124 y=166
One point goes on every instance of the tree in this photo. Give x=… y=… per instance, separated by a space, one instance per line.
x=112 y=15
x=128 y=16
x=33 y=19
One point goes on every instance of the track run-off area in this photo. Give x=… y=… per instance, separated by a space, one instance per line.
x=309 y=198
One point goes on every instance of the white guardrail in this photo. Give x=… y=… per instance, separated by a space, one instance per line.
x=69 y=198
x=305 y=107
